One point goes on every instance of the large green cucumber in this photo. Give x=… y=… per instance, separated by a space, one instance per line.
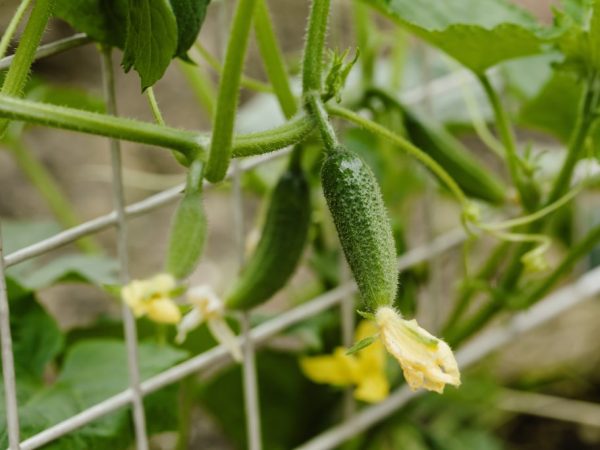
x=281 y=244
x=363 y=226
x=475 y=180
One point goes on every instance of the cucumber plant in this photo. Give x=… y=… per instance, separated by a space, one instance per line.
x=551 y=77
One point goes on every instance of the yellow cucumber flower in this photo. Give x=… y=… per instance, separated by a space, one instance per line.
x=207 y=306
x=365 y=369
x=151 y=297
x=426 y=361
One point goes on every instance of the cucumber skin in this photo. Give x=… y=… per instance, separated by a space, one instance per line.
x=363 y=226
x=188 y=233
x=281 y=244
x=473 y=179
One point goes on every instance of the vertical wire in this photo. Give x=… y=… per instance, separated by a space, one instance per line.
x=250 y=383
x=8 y=364
x=129 y=324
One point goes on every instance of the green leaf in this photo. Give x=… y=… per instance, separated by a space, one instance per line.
x=94 y=269
x=103 y=21
x=151 y=39
x=37 y=340
x=190 y=15
x=554 y=108
x=93 y=371
x=478 y=33
x=363 y=343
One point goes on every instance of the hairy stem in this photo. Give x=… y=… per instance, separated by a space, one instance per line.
x=229 y=86
x=12 y=27
x=312 y=64
x=188 y=143
x=273 y=59
x=16 y=78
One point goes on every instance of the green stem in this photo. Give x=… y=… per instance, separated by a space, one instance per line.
x=527 y=191
x=49 y=190
x=273 y=59
x=364 y=38
x=584 y=123
x=186 y=142
x=405 y=145
x=229 y=86
x=189 y=143
x=514 y=268
x=12 y=27
x=317 y=109
x=290 y=133
x=246 y=81
x=201 y=85
x=158 y=117
x=575 y=253
x=472 y=286
x=16 y=78
x=312 y=65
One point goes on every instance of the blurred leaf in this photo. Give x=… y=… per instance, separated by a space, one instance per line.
x=478 y=33
x=292 y=408
x=94 y=269
x=17 y=234
x=554 y=108
x=525 y=77
x=37 y=340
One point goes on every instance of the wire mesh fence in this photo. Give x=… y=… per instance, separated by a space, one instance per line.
x=354 y=422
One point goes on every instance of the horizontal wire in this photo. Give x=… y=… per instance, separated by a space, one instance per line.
x=218 y=355
x=136 y=209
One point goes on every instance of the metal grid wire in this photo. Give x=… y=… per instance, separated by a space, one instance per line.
x=353 y=423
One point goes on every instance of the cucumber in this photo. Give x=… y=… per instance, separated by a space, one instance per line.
x=475 y=180
x=281 y=244
x=188 y=229
x=363 y=226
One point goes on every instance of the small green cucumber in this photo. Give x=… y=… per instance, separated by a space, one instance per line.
x=281 y=244
x=188 y=229
x=363 y=226
x=475 y=180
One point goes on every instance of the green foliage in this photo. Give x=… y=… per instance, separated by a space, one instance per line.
x=477 y=33
x=554 y=108
x=292 y=408
x=151 y=32
x=151 y=39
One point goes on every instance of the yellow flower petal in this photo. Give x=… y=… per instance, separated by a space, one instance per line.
x=163 y=310
x=426 y=361
x=373 y=388
x=338 y=369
